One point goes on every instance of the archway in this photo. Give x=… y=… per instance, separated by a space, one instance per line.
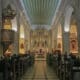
x=73 y=37
x=59 y=38
x=22 y=40
x=14 y=24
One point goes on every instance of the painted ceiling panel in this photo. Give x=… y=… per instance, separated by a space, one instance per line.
x=40 y=11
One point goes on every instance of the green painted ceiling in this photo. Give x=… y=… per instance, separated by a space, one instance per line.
x=40 y=11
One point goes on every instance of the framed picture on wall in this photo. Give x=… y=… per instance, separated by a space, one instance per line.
x=73 y=45
x=22 y=46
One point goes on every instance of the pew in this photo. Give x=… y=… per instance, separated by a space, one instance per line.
x=67 y=67
x=15 y=66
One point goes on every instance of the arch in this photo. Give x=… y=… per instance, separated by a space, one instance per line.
x=14 y=24
x=68 y=14
x=73 y=37
x=21 y=40
x=22 y=31
x=59 y=38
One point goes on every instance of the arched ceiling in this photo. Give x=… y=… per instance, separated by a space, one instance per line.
x=40 y=12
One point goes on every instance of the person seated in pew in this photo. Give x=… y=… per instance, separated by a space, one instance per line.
x=73 y=56
x=58 y=56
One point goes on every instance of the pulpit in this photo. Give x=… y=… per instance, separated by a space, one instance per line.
x=7 y=34
x=7 y=38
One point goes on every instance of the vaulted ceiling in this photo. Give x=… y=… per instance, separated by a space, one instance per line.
x=40 y=12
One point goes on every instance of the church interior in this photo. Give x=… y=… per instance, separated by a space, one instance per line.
x=39 y=39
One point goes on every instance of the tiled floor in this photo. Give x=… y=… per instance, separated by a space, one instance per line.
x=40 y=71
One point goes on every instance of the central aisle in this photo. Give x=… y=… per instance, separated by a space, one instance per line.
x=40 y=71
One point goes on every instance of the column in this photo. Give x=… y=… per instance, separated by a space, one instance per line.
x=1 y=49
x=55 y=37
x=29 y=39
x=66 y=41
x=78 y=35
x=16 y=41
x=52 y=40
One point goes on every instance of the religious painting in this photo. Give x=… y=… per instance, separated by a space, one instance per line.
x=22 y=46
x=73 y=46
x=59 y=45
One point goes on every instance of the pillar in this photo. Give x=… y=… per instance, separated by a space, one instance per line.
x=78 y=35
x=54 y=39
x=16 y=41
x=1 y=50
x=66 y=28
x=65 y=38
x=66 y=41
